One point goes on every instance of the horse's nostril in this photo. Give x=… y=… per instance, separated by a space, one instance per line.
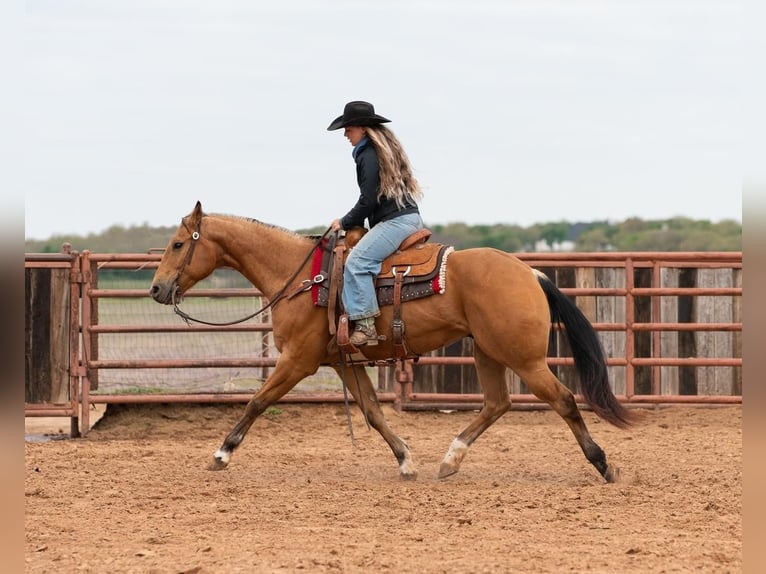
x=155 y=292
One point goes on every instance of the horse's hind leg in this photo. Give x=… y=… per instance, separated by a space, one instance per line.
x=360 y=385
x=491 y=376
x=544 y=385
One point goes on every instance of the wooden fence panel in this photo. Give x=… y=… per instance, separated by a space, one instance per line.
x=669 y=339
x=709 y=309
x=611 y=309
x=445 y=378
x=46 y=352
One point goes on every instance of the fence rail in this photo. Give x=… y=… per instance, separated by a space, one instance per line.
x=670 y=324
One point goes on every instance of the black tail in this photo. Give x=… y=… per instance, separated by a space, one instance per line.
x=588 y=356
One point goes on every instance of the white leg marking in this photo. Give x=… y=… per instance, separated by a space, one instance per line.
x=456 y=453
x=407 y=468
x=223 y=455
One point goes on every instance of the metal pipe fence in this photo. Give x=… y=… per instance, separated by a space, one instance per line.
x=667 y=321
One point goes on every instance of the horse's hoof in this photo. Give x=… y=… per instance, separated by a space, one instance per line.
x=453 y=458
x=612 y=474
x=447 y=470
x=407 y=470
x=217 y=464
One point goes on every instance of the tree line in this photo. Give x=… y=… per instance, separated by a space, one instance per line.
x=634 y=234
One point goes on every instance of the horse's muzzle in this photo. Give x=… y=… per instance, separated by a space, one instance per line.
x=163 y=292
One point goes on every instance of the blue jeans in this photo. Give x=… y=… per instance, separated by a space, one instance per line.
x=365 y=260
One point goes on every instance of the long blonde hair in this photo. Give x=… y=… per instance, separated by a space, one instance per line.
x=396 y=179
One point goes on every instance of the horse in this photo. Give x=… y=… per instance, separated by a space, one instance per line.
x=506 y=306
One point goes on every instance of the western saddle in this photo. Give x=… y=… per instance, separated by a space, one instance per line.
x=415 y=270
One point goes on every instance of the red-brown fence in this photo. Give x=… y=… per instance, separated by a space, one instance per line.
x=670 y=323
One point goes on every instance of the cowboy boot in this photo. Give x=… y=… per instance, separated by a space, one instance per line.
x=364 y=333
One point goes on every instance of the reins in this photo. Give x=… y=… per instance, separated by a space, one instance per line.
x=281 y=294
x=195 y=235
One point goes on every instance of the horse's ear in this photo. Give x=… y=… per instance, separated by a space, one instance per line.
x=197 y=213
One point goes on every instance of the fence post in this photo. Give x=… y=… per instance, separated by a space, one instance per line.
x=736 y=384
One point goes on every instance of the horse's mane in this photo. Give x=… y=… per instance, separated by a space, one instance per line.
x=257 y=222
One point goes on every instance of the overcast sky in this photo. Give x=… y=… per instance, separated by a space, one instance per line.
x=511 y=112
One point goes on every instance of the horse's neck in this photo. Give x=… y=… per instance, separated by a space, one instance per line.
x=266 y=256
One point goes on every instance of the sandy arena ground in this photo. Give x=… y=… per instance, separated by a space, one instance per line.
x=135 y=495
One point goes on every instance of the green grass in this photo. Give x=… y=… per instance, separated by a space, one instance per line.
x=273 y=411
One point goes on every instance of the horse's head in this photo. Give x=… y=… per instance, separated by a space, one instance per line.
x=188 y=259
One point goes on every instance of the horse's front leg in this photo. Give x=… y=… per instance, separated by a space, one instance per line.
x=360 y=385
x=286 y=375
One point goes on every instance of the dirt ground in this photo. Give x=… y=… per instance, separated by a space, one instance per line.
x=134 y=495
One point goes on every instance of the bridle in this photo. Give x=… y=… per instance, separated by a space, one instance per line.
x=281 y=294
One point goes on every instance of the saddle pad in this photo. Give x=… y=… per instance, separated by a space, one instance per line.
x=427 y=275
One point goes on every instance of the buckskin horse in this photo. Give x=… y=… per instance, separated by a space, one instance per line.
x=507 y=307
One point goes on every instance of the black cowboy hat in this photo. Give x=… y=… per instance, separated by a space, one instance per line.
x=357 y=114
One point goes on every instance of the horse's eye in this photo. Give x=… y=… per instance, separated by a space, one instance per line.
x=178 y=245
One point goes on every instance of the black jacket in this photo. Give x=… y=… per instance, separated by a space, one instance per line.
x=369 y=206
